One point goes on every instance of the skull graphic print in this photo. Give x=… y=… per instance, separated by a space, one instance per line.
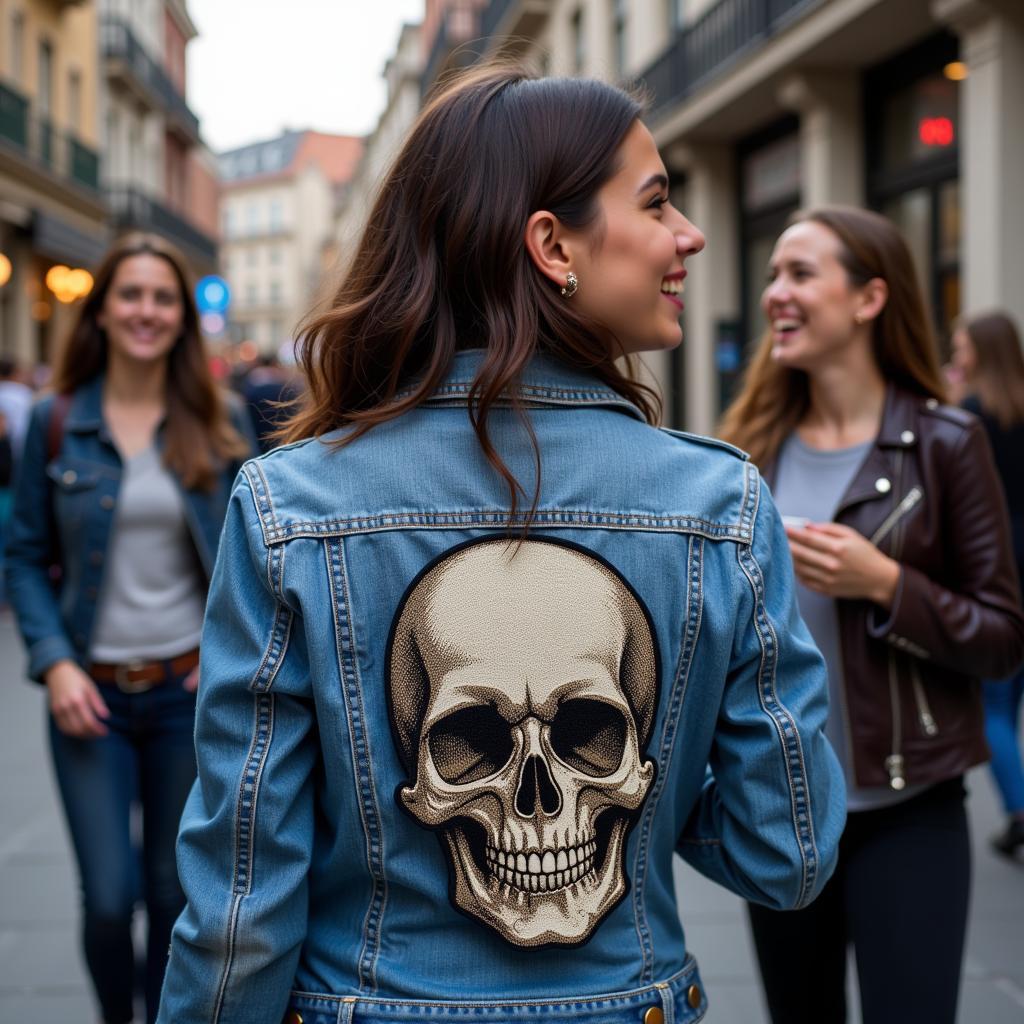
x=522 y=685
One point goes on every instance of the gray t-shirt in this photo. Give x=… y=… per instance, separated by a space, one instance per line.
x=153 y=596
x=810 y=483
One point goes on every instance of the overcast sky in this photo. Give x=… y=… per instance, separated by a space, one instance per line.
x=260 y=66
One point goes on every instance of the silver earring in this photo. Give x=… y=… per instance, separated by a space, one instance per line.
x=572 y=282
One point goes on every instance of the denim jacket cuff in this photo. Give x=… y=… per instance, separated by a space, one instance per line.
x=47 y=652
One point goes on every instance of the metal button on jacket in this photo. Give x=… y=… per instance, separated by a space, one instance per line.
x=907 y=437
x=883 y=485
x=69 y=476
x=107 y=502
x=654 y=1015
x=693 y=996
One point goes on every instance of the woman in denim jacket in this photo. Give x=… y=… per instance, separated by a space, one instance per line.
x=122 y=491
x=484 y=647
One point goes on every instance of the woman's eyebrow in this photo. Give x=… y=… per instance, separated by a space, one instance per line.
x=655 y=179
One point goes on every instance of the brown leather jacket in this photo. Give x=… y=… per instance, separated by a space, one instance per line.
x=928 y=495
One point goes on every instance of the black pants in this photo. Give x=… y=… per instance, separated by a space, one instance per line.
x=899 y=894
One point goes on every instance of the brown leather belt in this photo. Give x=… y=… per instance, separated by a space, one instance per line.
x=139 y=676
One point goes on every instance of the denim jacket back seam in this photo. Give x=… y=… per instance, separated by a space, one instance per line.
x=673 y=714
x=362 y=772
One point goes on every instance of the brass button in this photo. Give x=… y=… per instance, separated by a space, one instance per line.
x=294 y=1017
x=907 y=437
x=654 y=1016
x=693 y=996
x=932 y=403
x=69 y=476
x=883 y=485
x=107 y=502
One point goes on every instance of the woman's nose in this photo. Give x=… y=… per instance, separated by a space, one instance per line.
x=689 y=238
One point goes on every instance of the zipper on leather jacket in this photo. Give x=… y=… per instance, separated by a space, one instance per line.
x=908 y=504
x=924 y=712
x=894 y=762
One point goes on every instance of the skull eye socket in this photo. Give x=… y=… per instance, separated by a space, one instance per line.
x=470 y=744
x=590 y=736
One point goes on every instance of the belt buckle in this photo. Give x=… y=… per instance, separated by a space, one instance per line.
x=128 y=685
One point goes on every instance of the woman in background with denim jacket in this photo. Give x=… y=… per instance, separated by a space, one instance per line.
x=122 y=489
x=485 y=647
x=902 y=554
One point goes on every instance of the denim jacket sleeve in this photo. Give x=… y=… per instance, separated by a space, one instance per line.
x=246 y=832
x=773 y=806
x=31 y=544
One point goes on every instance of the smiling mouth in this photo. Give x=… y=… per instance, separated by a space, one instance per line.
x=785 y=327
x=672 y=289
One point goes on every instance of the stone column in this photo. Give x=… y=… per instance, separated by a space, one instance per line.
x=712 y=283
x=831 y=136
x=991 y=151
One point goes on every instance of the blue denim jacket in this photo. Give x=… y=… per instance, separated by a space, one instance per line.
x=64 y=508
x=440 y=773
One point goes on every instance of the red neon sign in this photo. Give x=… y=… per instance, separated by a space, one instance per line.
x=935 y=131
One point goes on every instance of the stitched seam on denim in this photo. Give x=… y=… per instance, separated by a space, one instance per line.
x=228 y=960
x=245 y=813
x=346 y=1008
x=261 y=499
x=355 y=718
x=785 y=726
x=280 y=634
x=597 y=1000
x=248 y=792
x=536 y=390
x=499 y=518
x=673 y=711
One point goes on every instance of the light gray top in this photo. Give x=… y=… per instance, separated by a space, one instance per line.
x=810 y=483
x=153 y=596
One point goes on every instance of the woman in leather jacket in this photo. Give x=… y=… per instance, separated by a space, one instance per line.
x=901 y=547
x=119 y=502
x=484 y=646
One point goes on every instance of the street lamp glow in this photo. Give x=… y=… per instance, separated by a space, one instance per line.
x=955 y=71
x=5 y=270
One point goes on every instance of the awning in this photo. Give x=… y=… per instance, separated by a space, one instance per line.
x=60 y=241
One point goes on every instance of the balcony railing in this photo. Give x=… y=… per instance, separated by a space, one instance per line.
x=712 y=43
x=132 y=209
x=41 y=142
x=119 y=44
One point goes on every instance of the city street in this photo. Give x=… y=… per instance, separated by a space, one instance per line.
x=42 y=979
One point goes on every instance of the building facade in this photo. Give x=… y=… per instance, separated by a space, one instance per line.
x=761 y=107
x=277 y=217
x=51 y=208
x=157 y=174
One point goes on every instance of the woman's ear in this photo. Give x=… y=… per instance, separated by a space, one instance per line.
x=874 y=296
x=547 y=243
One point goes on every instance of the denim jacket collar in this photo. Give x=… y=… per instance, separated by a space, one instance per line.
x=85 y=413
x=545 y=382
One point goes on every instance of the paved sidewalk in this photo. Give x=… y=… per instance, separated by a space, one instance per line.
x=42 y=980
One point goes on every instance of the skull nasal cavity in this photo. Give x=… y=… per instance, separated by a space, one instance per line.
x=537 y=793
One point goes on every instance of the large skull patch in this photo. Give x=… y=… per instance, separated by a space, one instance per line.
x=523 y=685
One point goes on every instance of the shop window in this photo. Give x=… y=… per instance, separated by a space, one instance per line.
x=919 y=122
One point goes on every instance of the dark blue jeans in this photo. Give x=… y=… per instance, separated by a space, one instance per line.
x=147 y=758
x=1002 y=713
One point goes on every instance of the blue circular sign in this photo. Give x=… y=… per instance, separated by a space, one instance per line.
x=213 y=294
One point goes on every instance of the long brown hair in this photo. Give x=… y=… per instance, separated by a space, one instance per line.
x=442 y=263
x=198 y=435
x=774 y=399
x=998 y=376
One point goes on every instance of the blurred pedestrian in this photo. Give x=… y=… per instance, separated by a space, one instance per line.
x=902 y=551
x=269 y=390
x=15 y=404
x=121 y=495
x=987 y=359
x=457 y=711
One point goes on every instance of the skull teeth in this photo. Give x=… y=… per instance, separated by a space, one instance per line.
x=542 y=870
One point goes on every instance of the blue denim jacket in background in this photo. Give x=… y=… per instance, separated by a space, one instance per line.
x=65 y=508
x=440 y=774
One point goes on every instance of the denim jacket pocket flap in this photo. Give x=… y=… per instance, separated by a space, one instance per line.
x=73 y=474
